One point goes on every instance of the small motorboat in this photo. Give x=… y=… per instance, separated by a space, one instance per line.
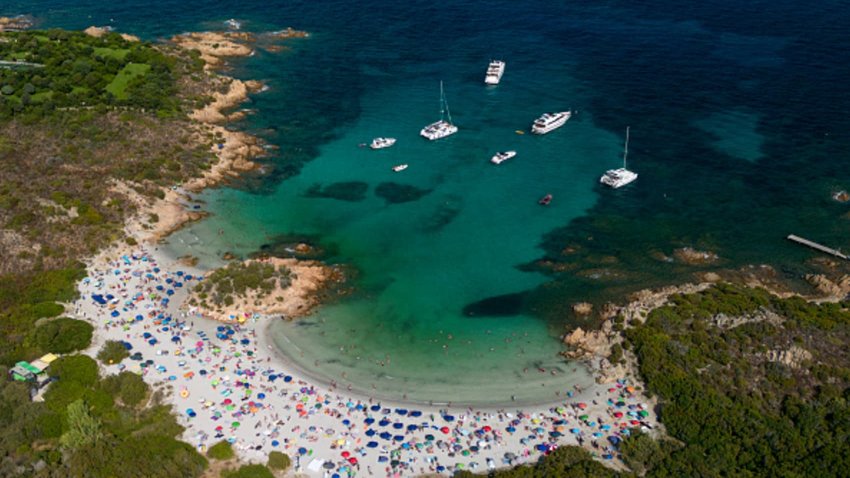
x=502 y=156
x=380 y=143
x=399 y=168
x=545 y=200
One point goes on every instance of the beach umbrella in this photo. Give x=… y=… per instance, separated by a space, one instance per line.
x=345 y=454
x=352 y=460
x=412 y=427
x=398 y=438
x=245 y=341
x=372 y=444
x=583 y=417
x=401 y=411
x=328 y=465
x=127 y=345
x=555 y=434
x=487 y=428
x=398 y=426
x=541 y=447
x=448 y=418
x=369 y=421
x=370 y=432
x=140 y=317
x=445 y=430
x=643 y=413
x=575 y=431
x=511 y=429
x=385 y=435
x=582 y=405
x=235 y=424
x=287 y=379
x=115 y=313
x=618 y=414
x=384 y=422
x=275 y=443
x=302 y=451
x=429 y=437
x=375 y=408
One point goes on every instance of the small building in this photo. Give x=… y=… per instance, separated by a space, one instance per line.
x=24 y=372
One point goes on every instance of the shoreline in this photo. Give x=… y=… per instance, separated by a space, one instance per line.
x=203 y=378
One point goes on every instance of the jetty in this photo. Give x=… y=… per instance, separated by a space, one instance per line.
x=818 y=247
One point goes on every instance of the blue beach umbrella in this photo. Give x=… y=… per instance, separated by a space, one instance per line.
x=383 y=459
x=385 y=435
x=415 y=413
x=412 y=427
x=370 y=432
x=401 y=411
x=372 y=444
x=541 y=447
x=449 y=418
x=369 y=421
x=275 y=443
x=375 y=408
x=140 y=317
x=287 y=379
x=398 y=438
x=384 y=422
x=302 y=451
x=398 y=426
x=115 y=313
x=147 y=335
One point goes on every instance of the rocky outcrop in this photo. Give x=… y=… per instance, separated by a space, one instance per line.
x=834 y=290
x=582 y=308
x=792 y=357
x=586 y=345
x=691 y=256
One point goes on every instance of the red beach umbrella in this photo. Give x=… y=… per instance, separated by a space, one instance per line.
x=487 y=428
x=445 y=430
x=352 y=460
x=582 y=405
x=346 y=454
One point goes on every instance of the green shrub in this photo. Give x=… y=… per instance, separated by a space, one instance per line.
x=80 y=369
x=112 y=352
x=63 y=335
x=249 y=471
x=221 y=451
x=278 y=461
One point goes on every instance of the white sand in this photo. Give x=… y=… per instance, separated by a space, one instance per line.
x=277 y=421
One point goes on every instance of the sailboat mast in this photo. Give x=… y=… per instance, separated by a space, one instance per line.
x=444 y=104
x=626 y=148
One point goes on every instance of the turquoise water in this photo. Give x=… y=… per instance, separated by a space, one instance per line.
x=738 y=121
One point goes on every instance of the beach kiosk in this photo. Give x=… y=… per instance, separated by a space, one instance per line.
x=24 y=372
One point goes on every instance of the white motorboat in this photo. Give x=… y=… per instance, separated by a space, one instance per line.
x=617 y=178
x=380 y=143
x=444 y=127
x=399 y=167
x=494 y=72
x=550 y=121
x=502 y=156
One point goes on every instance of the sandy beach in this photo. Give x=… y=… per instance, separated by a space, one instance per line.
x=228 y=382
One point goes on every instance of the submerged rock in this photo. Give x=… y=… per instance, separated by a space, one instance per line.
x=351 y=191
x=395 y=193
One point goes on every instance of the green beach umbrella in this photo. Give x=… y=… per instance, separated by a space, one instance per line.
x=643 y=413
x=583 y=417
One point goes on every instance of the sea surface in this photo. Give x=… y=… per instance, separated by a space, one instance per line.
x=463 y=284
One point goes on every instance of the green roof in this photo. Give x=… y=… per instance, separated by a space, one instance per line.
x=28 y=366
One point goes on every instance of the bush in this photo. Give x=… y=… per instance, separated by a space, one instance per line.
x=112 y=352
x=249 y=471
x=278 y=461
x=63 y=335
x=130 y=388
x=80 y=369
x=221 y=451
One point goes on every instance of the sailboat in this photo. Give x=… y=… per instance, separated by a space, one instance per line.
x=617 y=178
x=442 y=128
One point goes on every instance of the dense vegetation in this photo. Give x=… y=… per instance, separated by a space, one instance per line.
x=90 y=426
x=87 y=126
x=764 y=396
x=237 y=278
x=53 y=69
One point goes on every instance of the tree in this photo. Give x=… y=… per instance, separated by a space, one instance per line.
x=249 y=471
x=83 y=429
x=63 y=335
x=112 y=352
x=221 y=451
x=278 y=461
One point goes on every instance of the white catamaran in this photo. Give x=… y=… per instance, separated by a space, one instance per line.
x=617 y=178
x=442 y=128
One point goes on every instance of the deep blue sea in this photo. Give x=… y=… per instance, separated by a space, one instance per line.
x=738 y=116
